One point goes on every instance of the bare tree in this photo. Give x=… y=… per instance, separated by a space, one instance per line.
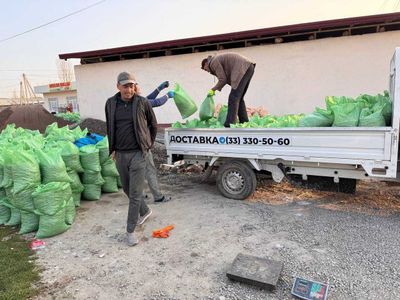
x=65 y=71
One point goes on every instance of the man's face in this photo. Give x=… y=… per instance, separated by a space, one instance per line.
x=127 y=90
x=206 y=68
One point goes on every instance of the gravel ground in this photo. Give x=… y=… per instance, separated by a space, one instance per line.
x=357 y=253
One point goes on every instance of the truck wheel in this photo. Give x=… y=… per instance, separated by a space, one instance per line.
x=236 y=180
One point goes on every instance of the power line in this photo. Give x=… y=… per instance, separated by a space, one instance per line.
x=51 y=22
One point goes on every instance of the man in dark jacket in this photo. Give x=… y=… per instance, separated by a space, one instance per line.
x=131 y=130
x=237 y=71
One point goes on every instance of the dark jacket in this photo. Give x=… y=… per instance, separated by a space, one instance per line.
x=144 y=122
x=229 y=69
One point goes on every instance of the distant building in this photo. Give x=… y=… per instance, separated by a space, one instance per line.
x=297 y=65
x=58 y=95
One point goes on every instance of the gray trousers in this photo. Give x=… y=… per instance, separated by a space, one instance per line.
x=131 y=167
x=236 y=104
x=151 y=177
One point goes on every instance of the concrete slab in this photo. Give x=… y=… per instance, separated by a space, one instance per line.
x=261 y=272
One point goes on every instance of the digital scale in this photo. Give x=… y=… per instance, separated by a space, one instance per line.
x=309 y=290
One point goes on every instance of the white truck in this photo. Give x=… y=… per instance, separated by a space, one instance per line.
x=343 y=154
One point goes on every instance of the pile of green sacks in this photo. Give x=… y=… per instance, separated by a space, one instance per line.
x=73 y=117
x=40 y=186
x=363 y=111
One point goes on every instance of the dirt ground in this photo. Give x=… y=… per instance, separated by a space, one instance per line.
x=350 y=241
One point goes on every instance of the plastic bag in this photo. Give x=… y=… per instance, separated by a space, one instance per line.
x=70 y=156
x=318 y=118
x=109 y=169
x=50 y=198
x=89 y=177
x=91 y=192
x=77 y=199
x=29 y=222
x=184 y=102
x=110 y=185
x=22 y=168
x=90 y=159
x=76 y=184
x=370 y=118
x=207 y=108
x=222 y=114
x=52 y=225
x=346 y=114
x=70 y=212
x=52 y=166
x=104 y=152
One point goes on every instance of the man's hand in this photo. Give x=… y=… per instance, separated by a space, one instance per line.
x=113 y=155
x=163 y=85
x=211 y=93
x=171 y=94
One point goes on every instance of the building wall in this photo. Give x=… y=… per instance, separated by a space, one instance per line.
x=289 y=78
x=61 y=96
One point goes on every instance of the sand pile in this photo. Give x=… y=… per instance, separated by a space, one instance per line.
x=33 y=116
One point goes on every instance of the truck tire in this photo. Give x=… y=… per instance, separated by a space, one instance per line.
x=236 y=180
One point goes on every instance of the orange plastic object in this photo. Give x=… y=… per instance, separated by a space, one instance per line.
x=163 y=233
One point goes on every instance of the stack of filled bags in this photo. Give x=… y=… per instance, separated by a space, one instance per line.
x=108 y=169
x=91 y=176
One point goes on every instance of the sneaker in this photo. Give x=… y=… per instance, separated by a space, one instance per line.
x=142 y=219
x=131 y=239
x=163 y=199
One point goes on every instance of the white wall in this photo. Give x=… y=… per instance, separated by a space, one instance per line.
x=289 y=78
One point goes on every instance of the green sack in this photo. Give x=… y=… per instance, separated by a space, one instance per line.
x=222 y=114
x=50 y=198
x=108 y=169
x=70 y=156
x=23 y=200
x=104 y=153
x=177 y=124
x=346 y=114
x=90 y=159
x=29 y=222
x=24 y=170
x=76 y=184
x=89 y=177
x=119 y=182
x=15 y=217
x=77 y=199
x=370 y=118
x=184 y=102
x=110 y=185
x=207 y=108
x=70 y=212
x=91 y=192
x=7 y=177
x=52 y=225
x=318 y=118
x=5 y=212
x=52 y=166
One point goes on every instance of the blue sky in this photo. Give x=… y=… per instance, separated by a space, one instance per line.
x=116 y=23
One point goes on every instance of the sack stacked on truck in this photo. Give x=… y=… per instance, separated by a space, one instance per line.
x=91 y=176
x=109 y=170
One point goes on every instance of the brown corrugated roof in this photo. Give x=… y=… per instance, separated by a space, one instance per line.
x=321 y=26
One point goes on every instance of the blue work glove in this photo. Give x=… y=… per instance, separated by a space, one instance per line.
x=171 y=94
x=211 y=93
x=163 y=85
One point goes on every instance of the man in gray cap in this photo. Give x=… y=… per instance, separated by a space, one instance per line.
x=131 y=130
